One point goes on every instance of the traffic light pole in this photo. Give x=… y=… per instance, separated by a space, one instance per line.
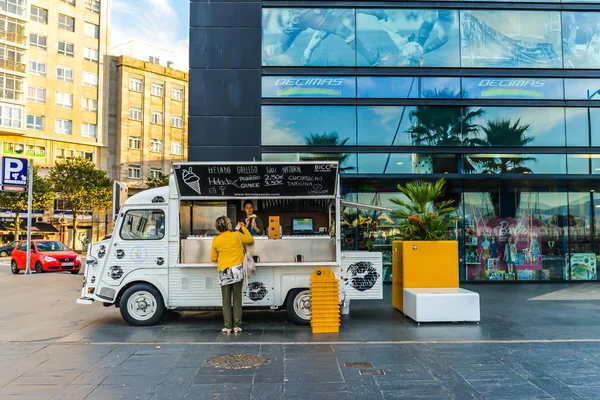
x=29 y=215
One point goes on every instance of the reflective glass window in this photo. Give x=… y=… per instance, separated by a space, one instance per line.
x=310 y=36
x=515 y=163
x=403 y=37
x=309 y=125
x=383 y=87
x=406 y=163
x=595 y=125
x=578 y=127
x=578 y=164
x=581 y=39
x=383 y=125
x=440 y=88
x=582 y=89
x=511 y=39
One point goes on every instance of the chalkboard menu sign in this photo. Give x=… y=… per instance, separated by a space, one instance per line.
x=257 y=180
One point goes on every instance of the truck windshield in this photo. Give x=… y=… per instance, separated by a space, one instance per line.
x=143 y=225
x=51 y=246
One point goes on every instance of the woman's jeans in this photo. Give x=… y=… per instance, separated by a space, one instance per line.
x=229 y=293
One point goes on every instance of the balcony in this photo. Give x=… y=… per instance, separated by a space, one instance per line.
x=13 y=37
x=12 y=65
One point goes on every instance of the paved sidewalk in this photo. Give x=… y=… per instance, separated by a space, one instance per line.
x=302 y=371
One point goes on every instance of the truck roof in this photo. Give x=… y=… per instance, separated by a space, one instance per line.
x=146 y=196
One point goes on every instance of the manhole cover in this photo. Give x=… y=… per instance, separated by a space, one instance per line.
x=371 y=372
x=237 y=361
x=358 y=365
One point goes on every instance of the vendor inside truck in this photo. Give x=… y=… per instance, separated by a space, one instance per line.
x=252 y=221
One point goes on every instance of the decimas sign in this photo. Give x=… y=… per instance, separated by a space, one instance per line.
x=257 y=180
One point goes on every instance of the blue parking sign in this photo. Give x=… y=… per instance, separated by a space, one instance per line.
x=14 y=174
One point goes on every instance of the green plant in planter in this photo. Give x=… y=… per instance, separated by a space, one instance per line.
x=423 y=215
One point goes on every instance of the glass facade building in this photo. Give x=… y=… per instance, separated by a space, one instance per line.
x=502 y=99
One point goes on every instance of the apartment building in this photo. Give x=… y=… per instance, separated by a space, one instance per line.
x=51 y=68
x=147 y=124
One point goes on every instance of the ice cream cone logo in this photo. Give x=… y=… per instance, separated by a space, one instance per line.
x=191 y=179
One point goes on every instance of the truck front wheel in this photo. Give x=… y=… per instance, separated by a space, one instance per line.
x=142 y=305
x=298 y=306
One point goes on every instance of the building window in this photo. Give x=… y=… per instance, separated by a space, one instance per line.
x=39 y=15
x=11 y=116
x=88 y=130
x=13 y=6
x=64 y=100
x=155 y=173
x=157 y=117
x=66 y=22
x=63 y=126
x=135 y=84
x=86 y=155
x=37 y=68
x=91 y=30
x=39 y=41
x=91 y=55
x=35 y=122
x=36 y=95
x=156 y=145
x=157 y=89
x=177 y=94
x=88 y=104
x=90 y=79
x=135 y=113
x=177 y=121
x=17 y=149
x=134 y=172
x=66 y=49
x=154 y=60
x=64 y=74
x=135 y=142
x=12 y=29
x=69 y=2
x=93 y=6
x=11 y=87
x=176 y=148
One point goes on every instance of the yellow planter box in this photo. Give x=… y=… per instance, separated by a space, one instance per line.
x=423 y=264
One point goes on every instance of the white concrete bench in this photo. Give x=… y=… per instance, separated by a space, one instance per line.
x=441 y=305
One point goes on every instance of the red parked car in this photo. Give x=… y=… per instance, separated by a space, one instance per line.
x=46 y=256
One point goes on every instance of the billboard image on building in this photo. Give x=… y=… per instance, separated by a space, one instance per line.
x=311 y=37
x=403 y=38
x=511 y=39
x=581 y=39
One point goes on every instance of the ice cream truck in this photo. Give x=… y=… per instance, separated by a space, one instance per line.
x=158 y=256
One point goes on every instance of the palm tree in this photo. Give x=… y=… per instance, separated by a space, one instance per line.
x=444 y=126
x=503 y=132
x=326 y=139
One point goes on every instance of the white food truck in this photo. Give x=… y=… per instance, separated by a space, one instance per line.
x=158 y=256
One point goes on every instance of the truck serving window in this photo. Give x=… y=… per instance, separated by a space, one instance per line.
x=143 y=225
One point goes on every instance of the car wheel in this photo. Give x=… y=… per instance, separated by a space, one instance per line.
x=13 y=267
x=142 y=305
x=298 y=306
x=38 y=267
x=75 y=271
x=3 y=254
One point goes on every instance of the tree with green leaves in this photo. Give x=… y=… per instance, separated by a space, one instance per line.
x=82 y=187
x=160 y=180
x=17 y=202
x=327 y=139
x=423 y=214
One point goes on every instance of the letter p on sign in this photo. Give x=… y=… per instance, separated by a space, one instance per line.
x=14 y=174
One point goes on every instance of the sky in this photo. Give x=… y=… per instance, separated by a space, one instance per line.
x=162 y=23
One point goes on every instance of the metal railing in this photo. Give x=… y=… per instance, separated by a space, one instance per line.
x=13 y=37
x=12 y=65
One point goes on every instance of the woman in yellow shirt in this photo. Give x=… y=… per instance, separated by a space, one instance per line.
x=227 y=252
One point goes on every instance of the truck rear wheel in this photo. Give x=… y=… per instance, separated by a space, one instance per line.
x=298 y=306
x=142 y=305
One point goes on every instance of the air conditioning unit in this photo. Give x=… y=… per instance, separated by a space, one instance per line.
x=39 y=219
x=62 y=220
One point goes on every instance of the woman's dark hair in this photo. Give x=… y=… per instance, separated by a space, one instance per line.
x=248 y=202
x=223 y=224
